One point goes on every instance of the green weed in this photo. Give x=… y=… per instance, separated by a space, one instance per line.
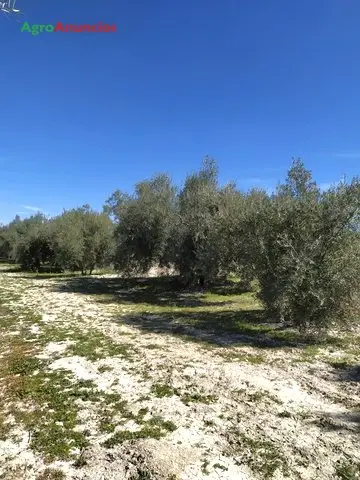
x=347 y=470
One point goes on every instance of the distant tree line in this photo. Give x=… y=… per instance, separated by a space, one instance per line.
x=299 y=244
x=78 y=240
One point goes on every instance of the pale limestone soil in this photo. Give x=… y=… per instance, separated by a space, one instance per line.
x=276 y=400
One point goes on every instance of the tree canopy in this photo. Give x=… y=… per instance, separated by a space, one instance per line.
x=301 y=245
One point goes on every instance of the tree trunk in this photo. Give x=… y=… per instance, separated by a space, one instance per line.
x=37 y=265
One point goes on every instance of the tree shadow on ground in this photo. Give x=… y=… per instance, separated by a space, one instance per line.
x=10 y=269
x=159 y=291
x=162 y=305
x=334 y=422
x=220 y=328
x=229 y=287
x=347 y=373
x=48 y=276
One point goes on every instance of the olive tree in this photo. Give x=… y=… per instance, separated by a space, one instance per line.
x=306 y=253
x=83 y=239
x=27 y=242
x=198 y=253
x=144 y=224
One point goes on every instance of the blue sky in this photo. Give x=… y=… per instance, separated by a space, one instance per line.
x=251 y=83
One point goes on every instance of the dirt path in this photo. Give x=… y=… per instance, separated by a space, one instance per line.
x=202 y=412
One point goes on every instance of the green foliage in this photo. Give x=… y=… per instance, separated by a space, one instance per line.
x=307 y=255
x=84 y=239
x=187 y=229
x=79 y=239
x=144 y=223
x=27 y=242
x=346 y=469
x=300 y=246
x=197 y=250
x=156 y=428
x=261 y=455
x=51 y=474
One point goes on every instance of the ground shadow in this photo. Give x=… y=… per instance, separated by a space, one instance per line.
x=217 y=321
x=10 y=269
x=334 y=422
x=221 y=328
x=229 y=287
x=48 y=276
x=159 y=291
x=346 y=372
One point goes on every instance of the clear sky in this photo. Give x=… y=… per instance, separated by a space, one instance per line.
x=251 y=83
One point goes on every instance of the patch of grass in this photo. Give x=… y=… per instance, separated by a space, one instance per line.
x=106 y=423
x=51 y=474
x=220 y=467
x=198 y=398
x=114 y=398
x=204 y=467
x=5 y=427
x=90 y=344
x=262 y=456
x=126 y=435
x=159 y=422
x=52 y=333
x=119 y=409
x=163 y=390
x=143 y=398
x=104 y=368
x=24 y=365
x=309 y=353
x=56 y=442
x=51 y=275
x=155 y=427
x=116 y=408
x=142 y=412
x=261 y=395
x=254 y=359
x=46 y=403
x=153 y=346
x=53 y=416
x=229 y=296
x=94 y=345
x=347 y=469
x=258 y=396
x=53 y=428
x=341 y=364
x=112 y=410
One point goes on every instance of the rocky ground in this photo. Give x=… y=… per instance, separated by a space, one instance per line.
x=103 y=379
